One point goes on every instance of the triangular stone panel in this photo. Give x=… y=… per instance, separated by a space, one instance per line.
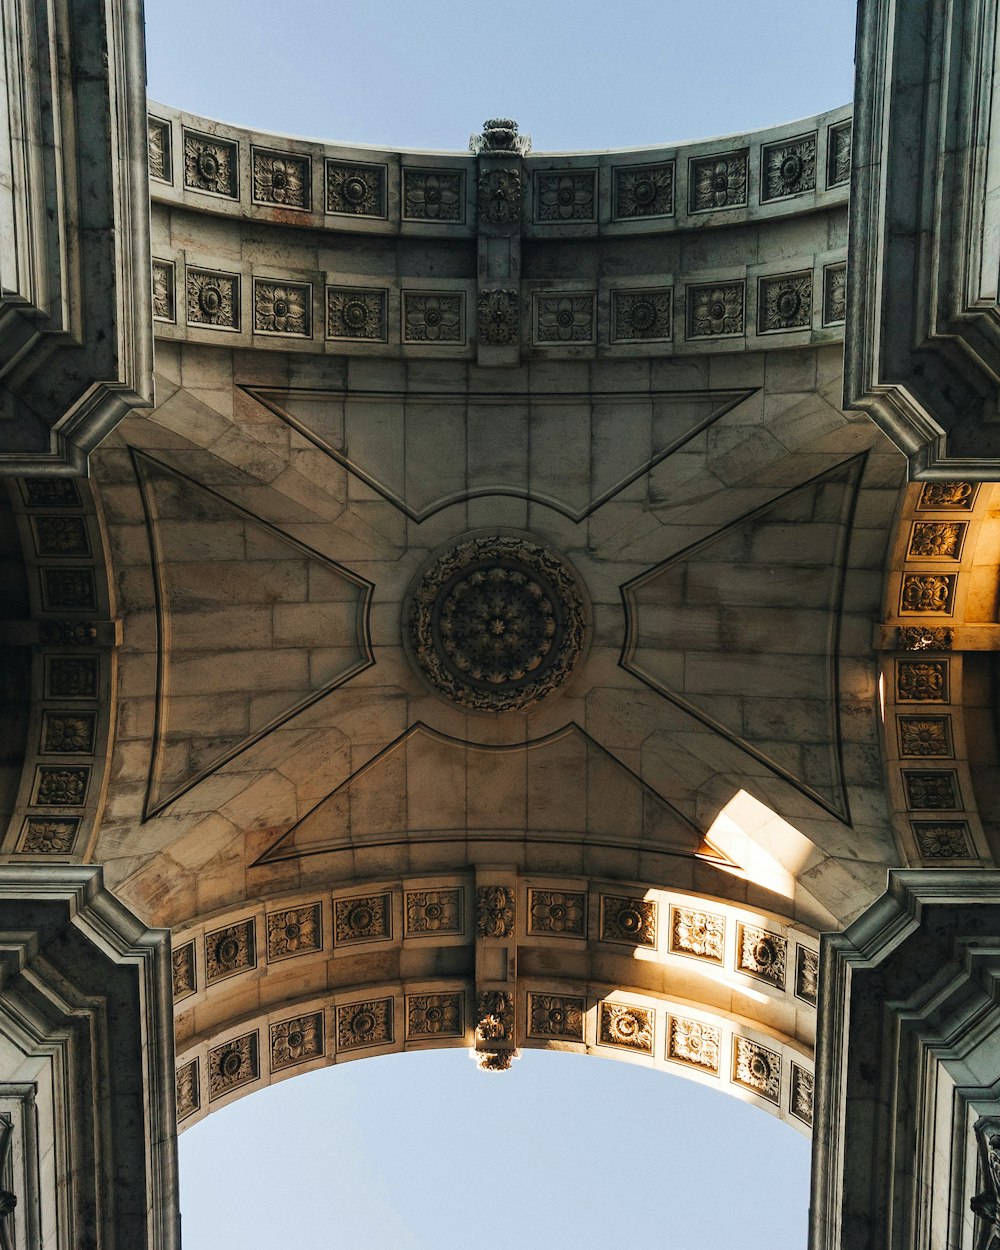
x=573 y=452
x=563 y=787
x=742 y=630
x=252 y=627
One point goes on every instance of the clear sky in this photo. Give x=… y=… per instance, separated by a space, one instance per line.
x=562 y=1152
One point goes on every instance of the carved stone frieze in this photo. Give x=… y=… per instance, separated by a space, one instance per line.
x=644 y=191
x=433 y=318
x=695 y=1043
x=715 y=311
x=806 y=974
x=622 y=1025
x=496 y=623
x=564 y=318
x=297 y=1040
x=625 y=919
x=718 y=182
x=785 y=303
x=556 y=1016
x=567 y=196
x=51 y=492
x=937 y=539
x=68 y=733
x=431 y=912
x=282 y=308
x=233 y=1064
x=757 y=1068
x=188 y=1089
x=280 y=178
x=838 y=169
x=47 y=835
x=698 y=933
x=498 y=316
x=800 y=1102
x=365 y=1024
x=500 y=134
x=761 y=954
x=432 y=195
x=210 y=165
x=947 y=496
x=943 y=839
x=494 y=911
x=185 y=975
x=356 y=313
x=230 y=950
x=68 y=588
x=499 y=196
x=560 y=913
x=788 y=168
x=932 y=791
x=925 y=682
x=834 y=295
x=435 y=1015
x=366 y=918
x=213 y=298
x=64 y=786
x=160 y=154
x=294 y=931
x=642 y=316
x=924 y=637
x=355 y=190
x=73 y=677
x=927 y=592
x=921 y=736
x=164 y=295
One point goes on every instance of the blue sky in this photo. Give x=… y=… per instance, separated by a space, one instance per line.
x=415 y=1151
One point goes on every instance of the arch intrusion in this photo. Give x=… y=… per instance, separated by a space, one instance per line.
x=499 y=623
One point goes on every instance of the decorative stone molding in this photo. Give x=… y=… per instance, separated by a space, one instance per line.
x=498 y=317
x=498 y=136
x=494 y=911
x=496 y=623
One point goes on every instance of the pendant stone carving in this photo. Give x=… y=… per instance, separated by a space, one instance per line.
x=496 y=623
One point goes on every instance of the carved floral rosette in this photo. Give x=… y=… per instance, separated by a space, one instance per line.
x=496 y=623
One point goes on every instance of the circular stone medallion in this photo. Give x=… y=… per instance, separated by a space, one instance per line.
x=496 y=623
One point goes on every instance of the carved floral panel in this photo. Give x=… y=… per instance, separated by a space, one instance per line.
x=294 y=931
x=433 y=195
x=431 y=912
x=785 y=303
x=365 y=1024
x=297 y=1040
x=431 y=318
x=567 y=196
x=642 y=316
x=620 y=1024
x=356 y=313
x=626 y=919
x=61 y=786
x=68 y=588
x=188 y=1092
x=565 y=318
x=494 y=911
x=715 y=311
x=210 y=164
x=213 y=298
x=160 y=153
x=698 y=933
x=718 y=182
x=230 y=950
x=924 y=736
x=757 y=1068
x=694 y=1043
x=800 y=1099
x=644 y=191
x=558 y=913
x=185 y=977
x=947 y=496
x=556 y=1016
x=788 y=168
x=838 y=170
x=281 y=178
x=366 y=918
x=75 y=677
x=46 y=835
x=233 y=1064
x=943 y=839
x=932 y=791
x=164 y=295
x=922 y=682
x=928 y=592
x=355 y=190
x=498 y=317
x=806 y=974
x=940 y=540
x=282 y=308
x=834 y=295
x=761 y=954
x=68 y=733
x=435 y=1015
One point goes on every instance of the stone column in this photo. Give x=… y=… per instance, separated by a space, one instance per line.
x=88 y=1157
x=908 y=1068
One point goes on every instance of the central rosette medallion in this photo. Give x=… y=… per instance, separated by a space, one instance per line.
x=496 y=622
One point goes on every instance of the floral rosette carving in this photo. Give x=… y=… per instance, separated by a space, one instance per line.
x=496 y=623
x=280 y=179
x=432 y=196
x=566 y=197
x=498 y=317
x=495 y=911
x=720 y=182
x=716 y=310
